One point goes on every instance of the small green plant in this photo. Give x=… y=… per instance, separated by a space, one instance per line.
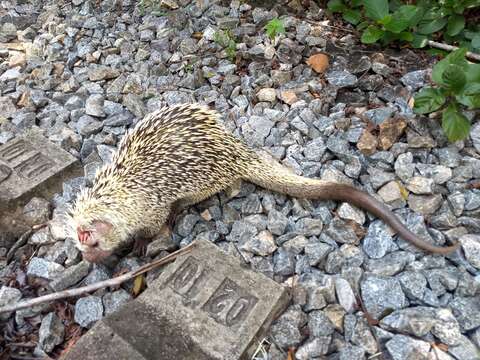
x=457 y=86
x=225 y=39
x=274 y=27
x=387 y=21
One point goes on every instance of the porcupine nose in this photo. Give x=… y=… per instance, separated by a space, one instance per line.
x=85 y=237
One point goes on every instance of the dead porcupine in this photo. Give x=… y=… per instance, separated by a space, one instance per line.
x=178 y=156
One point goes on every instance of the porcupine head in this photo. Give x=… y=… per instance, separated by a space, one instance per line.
x=97 y=225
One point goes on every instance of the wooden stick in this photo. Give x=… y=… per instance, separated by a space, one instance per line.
x=23 y=240
x=446 y=47
x=98 y=285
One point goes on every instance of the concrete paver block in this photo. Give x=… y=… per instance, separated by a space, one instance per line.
x=204 y=306
x=30 y=165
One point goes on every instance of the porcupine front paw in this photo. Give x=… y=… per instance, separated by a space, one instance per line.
x=140 y=246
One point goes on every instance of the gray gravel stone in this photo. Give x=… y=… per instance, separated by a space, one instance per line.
x=8 y=296
x=7 y=108
x=465 y=350
x=41 y=237
x=286 y=330
x=425 y=204
x=414 y=79
x=71 y=276
x=404 y=166
x=277 y=222
x=185 y=224
x=350 y=352
x=314 y=149
x=420 y=185
x=45 y=269
x=51 y=332
x=37 y=211
x=471 y=248
x=319 y=324
x=317 y=251
x=309 y=227
x=341 y=78
x=349 y=212
x=87 y=125
x=467 y=312
x=94 y=105
x=261 y=244
x=475 y=136
x=379 y=115
x=256 y=130
x=99 y=273
x=113 y=301
x=357 y=331
x=378 y=240
x=342 y=232
x=413 y=284
x=313 y=348
x=402 y=347
x=391 y=194
x=380 y=293
x=88 y=310
x=320 y=289
x=11 y=74
x=472 y=200
x=420 y=321
x=439 y=173
x=284 y=262
x=346 y=297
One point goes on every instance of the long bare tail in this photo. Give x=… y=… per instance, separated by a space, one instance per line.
x=269 y=174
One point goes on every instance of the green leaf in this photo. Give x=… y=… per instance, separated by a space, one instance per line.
x=428 y=100
x=385 y=20
x=476 y=41
x=473 y=73
x=472 y=89
x=397 y=25
x=406 y=36
x=336 y=6
x=429 y=27
x=455 y=24
x=457 y=57
x=419 y=41
x=371 y=35
x=470 y=101
x=363 y=25
x=402 y=18
x=274 y=27
x=454 y=77
x=454 y=124
x=376 y=9
x=352 y=16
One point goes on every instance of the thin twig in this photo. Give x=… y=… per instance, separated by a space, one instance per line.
x=23 y=239
x=99 y=285
x=446 y=47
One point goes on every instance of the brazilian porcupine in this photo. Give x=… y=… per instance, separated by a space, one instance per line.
x=181 y=155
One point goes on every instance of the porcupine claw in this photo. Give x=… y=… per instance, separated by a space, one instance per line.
x=140 y=246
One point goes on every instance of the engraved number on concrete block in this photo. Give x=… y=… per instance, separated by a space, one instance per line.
x=5 y=172
x=187 y=279
x=230 y=304
x=35 y=164
x=14 y=150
